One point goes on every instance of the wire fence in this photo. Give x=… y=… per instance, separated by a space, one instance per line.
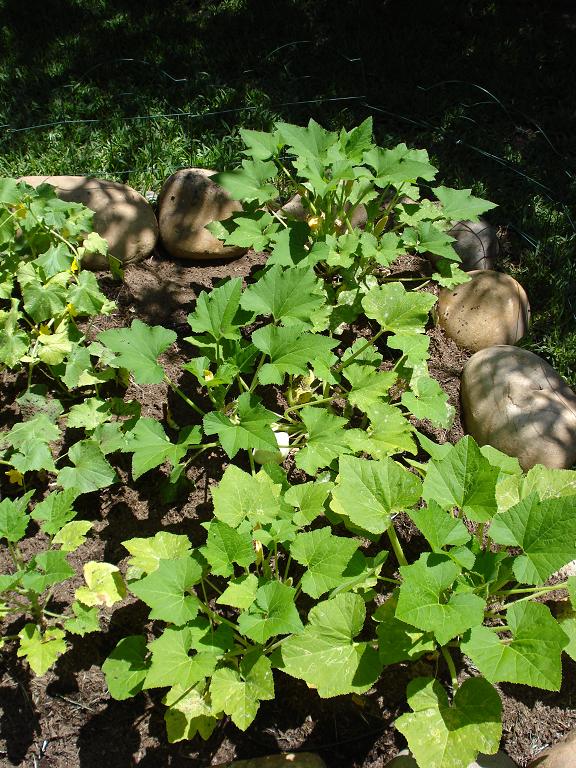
x=558 y=220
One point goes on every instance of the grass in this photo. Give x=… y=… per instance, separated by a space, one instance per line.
x=486 y=87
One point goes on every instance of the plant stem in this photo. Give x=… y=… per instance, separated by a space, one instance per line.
x=251 y=460
x=345 y=363
x=311 y=403
x=175 y=388
x=256 y=372
x=288 y=563
x=532 y=590
x=396 y=546
x=451 y=668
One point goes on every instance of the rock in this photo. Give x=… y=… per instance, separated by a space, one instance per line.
x=187 y=202
x=295 y=210
x=516 y=402
x=500 y=760
x=402 y=760
x=560 y=755
x=492 y=308
x=476 y=244
x=121 y=215
x=286 y=760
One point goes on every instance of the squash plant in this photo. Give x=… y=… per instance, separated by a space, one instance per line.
x=43 y=289
x=283 y=580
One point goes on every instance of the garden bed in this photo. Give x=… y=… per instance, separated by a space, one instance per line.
x=67 y=716
x=319 y=558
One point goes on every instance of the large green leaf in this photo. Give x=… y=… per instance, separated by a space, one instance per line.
x=399 y=165
x=367 y=492
x=249 y=182
x=441 y=735
x=272 y=613
x=87 y=298
x=398 y=641
x=368 y=385
x=14 y=518
x=260 y=145
x=165 y=590
x=90 y=472
x=137 y=348
x=326 y=655
x=439 y=527
x=148 y=552
x=546 y=532
x=330 y=560
x=460 y=204
x=427 y=238
x=389 y=432
x=41 y=650
x=309 y=499
x=172 y=661
x=239 y=693
x=424 y=603
x=398 y=310
x=218 y=313
x=326 y=439
x=288 y=295
x=240 y=496
x=126 y=667
x=188 y=713
x=531 y=656
x=50 y=567
x=311 y=141
x=427 y=400
x=290 y=352
x=151 y=446
x=31 y=440
x=43 y=300
x=248 y=428
x=225 y=546
x=465 y=479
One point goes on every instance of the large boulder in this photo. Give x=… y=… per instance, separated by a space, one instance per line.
x=187 y=202
x=492 y=308
x=284 y=760
x=476 y=243
x=516 y=402
x=405 y=760
x=121 y=216
x=560 y=755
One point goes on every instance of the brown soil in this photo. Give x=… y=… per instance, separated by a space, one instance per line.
x=66 y=718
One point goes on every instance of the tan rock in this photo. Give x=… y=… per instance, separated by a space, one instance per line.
x=516 y=402
x=492 y=308
x=121 y=215
x=187 y=202
x=560 y=755
x=295 y=210
x=476 y=244
x=286 y=760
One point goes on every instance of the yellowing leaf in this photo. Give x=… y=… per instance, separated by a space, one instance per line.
x=105 y=585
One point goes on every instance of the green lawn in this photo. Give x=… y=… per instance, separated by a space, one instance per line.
x=133 y=90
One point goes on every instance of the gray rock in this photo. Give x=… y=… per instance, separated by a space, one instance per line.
x=402 y=760
x=286 y=760
x=492 y=308
x=476 y=244
x=187 y=202
x=560 y=755
x=500 y=760
x=516 y=402
x=121 y=216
